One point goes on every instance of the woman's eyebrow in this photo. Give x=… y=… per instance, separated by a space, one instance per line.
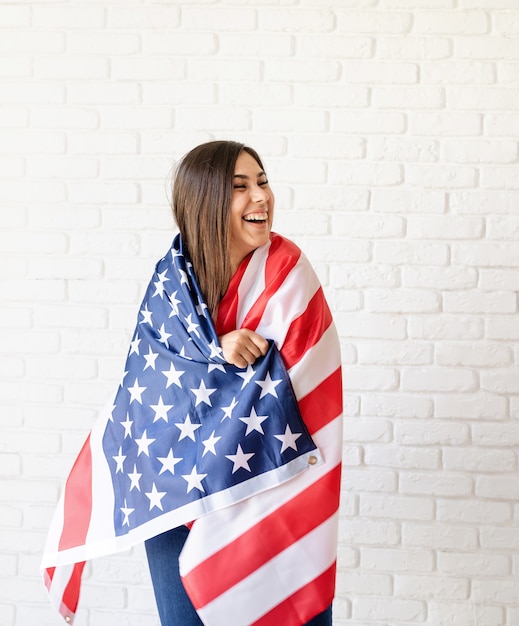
x=244 y=177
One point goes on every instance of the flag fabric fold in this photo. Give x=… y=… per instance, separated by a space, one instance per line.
x=245 y=454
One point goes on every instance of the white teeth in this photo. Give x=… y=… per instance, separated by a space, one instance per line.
x=256 y=217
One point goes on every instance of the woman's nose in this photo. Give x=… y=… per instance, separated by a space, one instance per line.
x=259 y=194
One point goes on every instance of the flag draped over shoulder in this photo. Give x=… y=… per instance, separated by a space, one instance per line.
x=250 y=455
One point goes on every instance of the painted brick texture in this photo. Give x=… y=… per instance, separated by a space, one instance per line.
x=390 y=131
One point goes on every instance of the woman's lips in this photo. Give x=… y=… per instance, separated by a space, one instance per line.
x=260 y=216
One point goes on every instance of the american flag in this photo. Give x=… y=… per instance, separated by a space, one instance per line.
x=191 y=438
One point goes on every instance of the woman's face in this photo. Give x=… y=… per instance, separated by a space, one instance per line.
x=252 y=209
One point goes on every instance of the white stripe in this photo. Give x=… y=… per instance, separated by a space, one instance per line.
x=277 y=580
x=216 y=530
x=318 y=362
x=59 y=583
x=298 y=289
x=101 y=519
x=252 y=283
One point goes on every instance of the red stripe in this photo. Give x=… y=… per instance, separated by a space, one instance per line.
x=212 y=577
x=283 y=257
x=48 y=575
x=306 y=602
x=306 y=330
x=71 y=594
x=323 y=404
x=228 y=307
x=77 y=506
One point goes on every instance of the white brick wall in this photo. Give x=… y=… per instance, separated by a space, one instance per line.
x=390 y=131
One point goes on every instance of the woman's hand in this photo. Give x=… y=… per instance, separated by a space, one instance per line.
x=242 y=347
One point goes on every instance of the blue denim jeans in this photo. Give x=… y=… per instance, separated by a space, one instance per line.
x=173 y=603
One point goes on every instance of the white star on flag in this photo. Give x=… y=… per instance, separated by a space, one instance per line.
x=173 y=302
x=240 y=459
x=164 y=336
x=215 y=350
x=119 y=459
x=155 y=497
x=127 y=512
x=161 y=410
x=127 y=425
x=144 y=443
x=183 y=354
x=173 y=375
x=134 y=478
x=159 y=285
x=201 y=308
x=254 y=422
x=288 y=439
x=114 y=406
x=146 y=315
x=194 y=480
x=192 y=327
x=168 y=462
x=209 y=444
x=202 y=394
x=268 y=386
x=134 y=345
x=215 y=366
x=247 y=375
x=121 y=382
x=227 y=410
x=151 y=357
x=136 y=392
x=187 y=429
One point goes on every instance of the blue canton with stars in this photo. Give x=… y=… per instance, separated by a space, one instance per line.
x=185 y=423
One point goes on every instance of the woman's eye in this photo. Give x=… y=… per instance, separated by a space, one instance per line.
x=262 y=183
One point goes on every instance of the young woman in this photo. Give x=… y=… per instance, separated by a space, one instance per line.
x=224 y=208
x=222 y=447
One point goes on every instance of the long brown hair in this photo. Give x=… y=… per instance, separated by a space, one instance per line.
x=202 y=193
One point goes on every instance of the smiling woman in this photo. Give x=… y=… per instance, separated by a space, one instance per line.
x=224 y=208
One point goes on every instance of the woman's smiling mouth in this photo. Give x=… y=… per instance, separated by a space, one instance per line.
x=259 y=217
